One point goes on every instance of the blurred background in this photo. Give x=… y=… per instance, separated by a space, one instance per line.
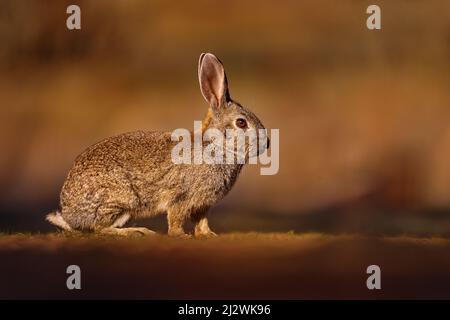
x=364 y=116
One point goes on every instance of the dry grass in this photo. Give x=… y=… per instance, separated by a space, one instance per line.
x=235 y=265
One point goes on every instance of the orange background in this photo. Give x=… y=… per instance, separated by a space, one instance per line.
x=363 y=115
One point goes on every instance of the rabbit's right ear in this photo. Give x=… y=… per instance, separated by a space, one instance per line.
x=213 y=81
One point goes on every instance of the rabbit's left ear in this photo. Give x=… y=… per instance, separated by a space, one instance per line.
x=213 y=81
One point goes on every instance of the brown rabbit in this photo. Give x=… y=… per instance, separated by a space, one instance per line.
x=132 y=175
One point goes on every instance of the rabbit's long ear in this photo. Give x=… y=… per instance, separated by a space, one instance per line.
x=213 y=81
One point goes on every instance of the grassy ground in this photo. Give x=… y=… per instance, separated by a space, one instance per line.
x=235 y=265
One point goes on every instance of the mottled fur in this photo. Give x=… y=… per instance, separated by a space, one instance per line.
x=132 y=175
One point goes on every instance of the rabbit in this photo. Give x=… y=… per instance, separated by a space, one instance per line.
x=132 y=175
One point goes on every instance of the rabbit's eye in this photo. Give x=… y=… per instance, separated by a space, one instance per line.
x=241 y=123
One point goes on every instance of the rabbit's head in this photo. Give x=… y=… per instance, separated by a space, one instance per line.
x=225 y=113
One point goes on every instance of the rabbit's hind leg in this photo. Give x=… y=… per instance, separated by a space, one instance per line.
x=127 y=232
x=116 y=228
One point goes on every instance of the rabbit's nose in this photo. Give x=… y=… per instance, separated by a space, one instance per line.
x=268 y=143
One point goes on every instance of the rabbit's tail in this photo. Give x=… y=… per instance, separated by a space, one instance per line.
x=57 y=219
